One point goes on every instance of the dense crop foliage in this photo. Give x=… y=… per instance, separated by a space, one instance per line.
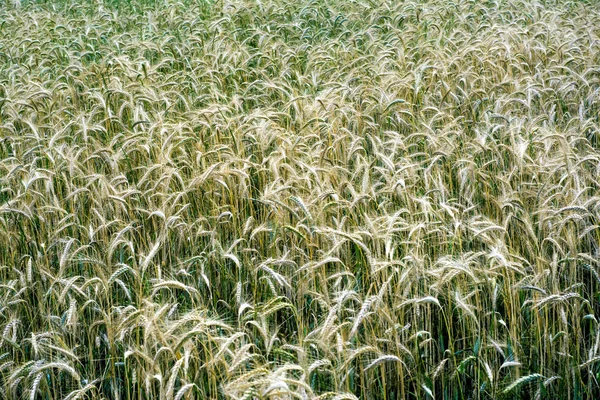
x=299 y=199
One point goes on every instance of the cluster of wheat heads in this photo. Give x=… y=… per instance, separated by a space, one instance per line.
x=299 y=200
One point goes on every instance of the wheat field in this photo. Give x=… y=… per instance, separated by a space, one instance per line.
x=270 y=199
